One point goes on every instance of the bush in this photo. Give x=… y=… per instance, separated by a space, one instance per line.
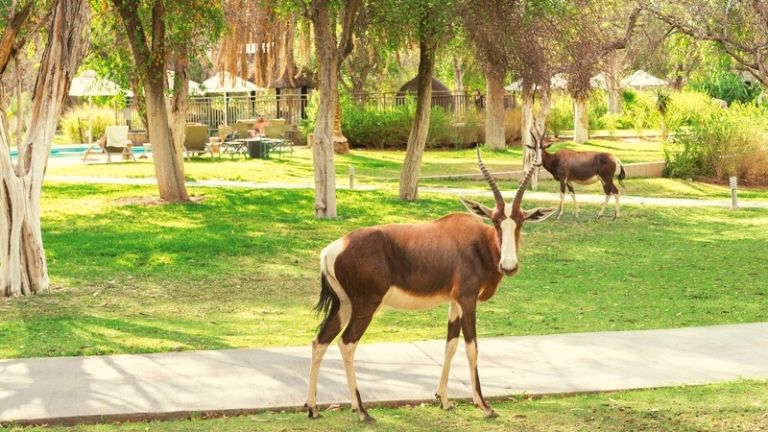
x=560 y=116
x=726 y=85
x=370 y=126
x=721 y=143
x=74 y=124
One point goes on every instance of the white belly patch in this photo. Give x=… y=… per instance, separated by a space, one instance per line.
x=588 y=181
x=398 y=298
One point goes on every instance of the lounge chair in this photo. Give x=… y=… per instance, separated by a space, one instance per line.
x=196 y=140
x=275 y=133
x=115 y=141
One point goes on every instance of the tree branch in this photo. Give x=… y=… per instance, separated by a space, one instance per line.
x=8 y=40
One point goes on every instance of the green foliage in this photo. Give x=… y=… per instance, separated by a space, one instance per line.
x=374 y=127
x=560 y=116
x=721 y=143
x=725 y=85
x=598 y=107
x=74 y=124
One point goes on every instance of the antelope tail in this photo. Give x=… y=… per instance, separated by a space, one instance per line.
x=622 y=176
x=329 y=303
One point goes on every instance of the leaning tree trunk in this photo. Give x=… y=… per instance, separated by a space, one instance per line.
x=322 y=147
x=526 y=121
x=614 y=95
x=24 y=270
x=494 y=113
x=580 y=119
x=458 y=75
x=409 y=176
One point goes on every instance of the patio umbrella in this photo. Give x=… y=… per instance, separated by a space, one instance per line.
x=194 y=86
x=558 y=81
x=227 y=83
x=88 y=84
x=641 y=79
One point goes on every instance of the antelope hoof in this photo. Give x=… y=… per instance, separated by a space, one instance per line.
x=367 y=419
x=599 y=215
x=314 y=414
x=490 y=413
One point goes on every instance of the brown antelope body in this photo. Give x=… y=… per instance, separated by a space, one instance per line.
x=456 y=259
x=568 y=167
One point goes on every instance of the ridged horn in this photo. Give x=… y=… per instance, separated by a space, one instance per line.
x=496 y=192
x=523 y=184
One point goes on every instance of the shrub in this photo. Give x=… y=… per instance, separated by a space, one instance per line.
x=720 y=143
x=560 y=116
x=598 y=107
x=726 y=85
x=371 y=126
x=74 y=123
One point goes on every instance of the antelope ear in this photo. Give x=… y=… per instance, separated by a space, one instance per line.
x=539 y=214
x=476 y=208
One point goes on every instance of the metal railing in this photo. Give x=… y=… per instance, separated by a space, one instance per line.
x=216 y=110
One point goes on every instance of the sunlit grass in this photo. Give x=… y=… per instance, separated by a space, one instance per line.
x=738 y=406
x=239 y=269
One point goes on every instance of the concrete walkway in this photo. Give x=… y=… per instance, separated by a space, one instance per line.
x=85 y=388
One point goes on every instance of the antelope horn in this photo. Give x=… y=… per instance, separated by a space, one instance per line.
x=496 y=193
x=523 y=184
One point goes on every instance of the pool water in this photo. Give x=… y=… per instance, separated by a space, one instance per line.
x=75 y=151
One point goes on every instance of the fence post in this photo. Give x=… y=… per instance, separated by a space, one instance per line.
x=734 y=199
x=351 y=176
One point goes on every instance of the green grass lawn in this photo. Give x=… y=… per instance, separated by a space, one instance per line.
x=370 y=165
x=739 y=406
x=239 y=269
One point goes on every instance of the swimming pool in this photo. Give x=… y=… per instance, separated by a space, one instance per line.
x=75 y=151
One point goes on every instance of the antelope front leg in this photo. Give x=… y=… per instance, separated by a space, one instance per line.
x=468 y=327
x=616 y=213
x=451 y=342
x=562 y=201
x=575 y=203
x=602 y=209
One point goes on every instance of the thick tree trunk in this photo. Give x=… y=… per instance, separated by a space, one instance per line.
x=580 y=120
x=322 y=147
x=168 y=155
x=409 y=177
x=494 y=113
x=24 y=270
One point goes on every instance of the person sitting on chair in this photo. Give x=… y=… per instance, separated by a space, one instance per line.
x=258 y=127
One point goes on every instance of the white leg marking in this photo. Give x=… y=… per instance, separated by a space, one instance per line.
x=602 y=209
x=454 y=314
x=562 y=205
x=575 y=204
x=472 y=357
x=348 y=355
x=318 y=351
x=616 y=196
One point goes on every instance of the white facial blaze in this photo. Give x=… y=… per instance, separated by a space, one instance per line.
x=508 y=245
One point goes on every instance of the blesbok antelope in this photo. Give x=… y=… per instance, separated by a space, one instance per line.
x=456 y=259
x=582 y=167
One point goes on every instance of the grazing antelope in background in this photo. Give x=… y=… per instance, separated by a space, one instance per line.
x=456 y=259
x=568 y=167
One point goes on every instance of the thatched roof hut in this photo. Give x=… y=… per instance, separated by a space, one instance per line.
x=441 y=94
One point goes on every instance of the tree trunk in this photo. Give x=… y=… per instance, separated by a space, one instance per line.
x=179 y=100
x=494 y=114
x=614 y=98
x=580 y=120
x=24 y=268
x=168 y=155
x=458 y=75
x=409 y=177
x=526 y=120
x=327 y=83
